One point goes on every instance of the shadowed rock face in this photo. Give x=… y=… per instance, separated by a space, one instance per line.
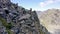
x=4 y=1
x=18 y=20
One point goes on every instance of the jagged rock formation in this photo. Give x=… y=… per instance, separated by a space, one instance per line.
x=18 y=20
x=51 y=20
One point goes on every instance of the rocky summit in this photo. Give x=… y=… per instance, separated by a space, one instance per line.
x=15 y=19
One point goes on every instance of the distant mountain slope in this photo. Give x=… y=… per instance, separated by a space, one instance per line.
x=51 y=20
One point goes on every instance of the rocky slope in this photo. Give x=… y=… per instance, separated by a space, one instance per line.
x=51 y=20
x=15 y=19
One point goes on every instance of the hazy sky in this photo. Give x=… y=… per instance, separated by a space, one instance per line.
x=38 y=4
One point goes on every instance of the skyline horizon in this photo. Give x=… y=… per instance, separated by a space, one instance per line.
x=38 y=5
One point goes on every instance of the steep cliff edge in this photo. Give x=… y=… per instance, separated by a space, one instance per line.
x=15 y=19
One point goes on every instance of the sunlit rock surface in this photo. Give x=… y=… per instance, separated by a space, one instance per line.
x=51 y=20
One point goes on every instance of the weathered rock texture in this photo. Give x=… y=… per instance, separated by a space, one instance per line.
x=15 y=19
x=51 y=20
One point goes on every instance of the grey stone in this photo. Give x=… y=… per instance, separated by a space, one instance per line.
x=24 y=21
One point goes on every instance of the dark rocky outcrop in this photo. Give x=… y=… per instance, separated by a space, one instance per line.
x=15 y=19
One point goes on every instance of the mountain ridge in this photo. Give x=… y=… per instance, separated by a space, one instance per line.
x=51 y=20
x=15 y=19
